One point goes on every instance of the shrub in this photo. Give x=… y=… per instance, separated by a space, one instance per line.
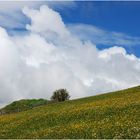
x=60 y=95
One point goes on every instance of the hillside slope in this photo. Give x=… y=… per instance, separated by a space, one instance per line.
x=22 y=105
x=113 y=115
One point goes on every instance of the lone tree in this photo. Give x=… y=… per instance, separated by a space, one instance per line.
x=60 y=95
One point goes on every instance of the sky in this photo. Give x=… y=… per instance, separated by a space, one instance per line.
x=88 y=48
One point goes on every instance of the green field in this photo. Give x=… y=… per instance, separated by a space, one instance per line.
x=22 y=105
x=112 y=115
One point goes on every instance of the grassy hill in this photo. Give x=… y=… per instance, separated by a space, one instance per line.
x=113 y=115
x=22 y=105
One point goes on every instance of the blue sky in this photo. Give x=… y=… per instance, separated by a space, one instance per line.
x=119 y=17
x=115 y=16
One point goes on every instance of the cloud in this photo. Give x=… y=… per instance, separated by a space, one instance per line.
x=13 y=18
x=8 y=68
x=101 y=36
x=39 y=26
x=50 y=57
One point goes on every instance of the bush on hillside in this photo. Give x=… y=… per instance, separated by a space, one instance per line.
x=60 y=95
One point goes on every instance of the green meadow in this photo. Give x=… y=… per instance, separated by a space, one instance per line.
x=113 y=115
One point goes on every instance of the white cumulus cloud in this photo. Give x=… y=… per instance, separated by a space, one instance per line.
x=50 y=57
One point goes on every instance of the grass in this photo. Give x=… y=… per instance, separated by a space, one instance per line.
x=23 y=105
x=114 y=115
